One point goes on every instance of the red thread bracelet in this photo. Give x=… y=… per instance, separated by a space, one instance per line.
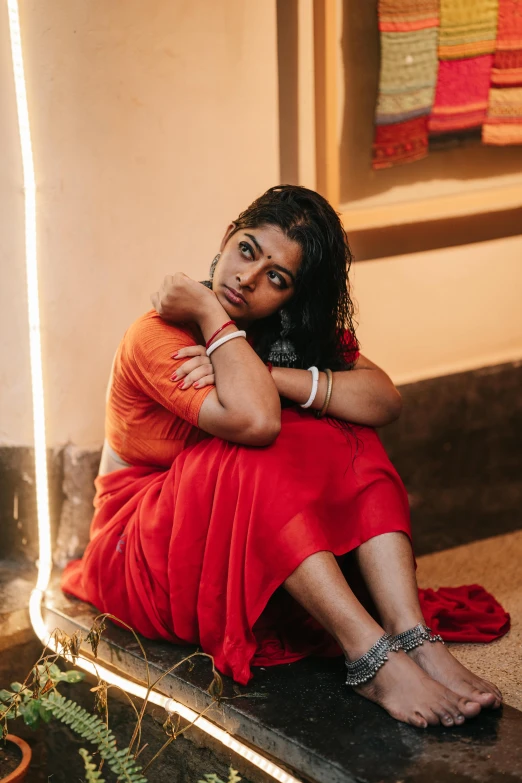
x=228 y=323
x=269 y=365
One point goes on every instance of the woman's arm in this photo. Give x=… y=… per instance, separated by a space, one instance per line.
x=244 y=407
x=364 y=395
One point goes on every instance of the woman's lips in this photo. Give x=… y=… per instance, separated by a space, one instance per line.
x=233 y=297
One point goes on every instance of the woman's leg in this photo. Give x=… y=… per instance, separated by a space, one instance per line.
x=400 y=686
x=387 y=567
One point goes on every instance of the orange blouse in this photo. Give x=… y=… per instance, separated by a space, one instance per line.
x=149 y=420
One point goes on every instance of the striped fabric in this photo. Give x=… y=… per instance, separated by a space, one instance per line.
x=467 y=37
x=467 y=28
x=448 y=67
x=407 y=80
x=461 y=99
x=503 y=124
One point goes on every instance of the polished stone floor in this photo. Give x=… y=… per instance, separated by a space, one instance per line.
x=303 y=715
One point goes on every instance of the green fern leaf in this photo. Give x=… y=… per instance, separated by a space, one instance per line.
x=92 y=775
x=94 y=730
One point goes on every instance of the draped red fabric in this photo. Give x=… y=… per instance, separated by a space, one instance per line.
x=196 y=548
x=196 y=552
x=464 y=614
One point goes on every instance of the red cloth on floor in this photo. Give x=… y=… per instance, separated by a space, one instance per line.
x=464 y=614
x=196 y=552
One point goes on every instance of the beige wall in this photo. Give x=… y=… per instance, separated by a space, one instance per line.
x=443 y=311
x=153 y=125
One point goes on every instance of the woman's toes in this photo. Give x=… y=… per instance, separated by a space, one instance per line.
x=489 y=686
x=445 y=718
x=484 y=697
x=468 y=708
x=418 y=720
x=431 y=716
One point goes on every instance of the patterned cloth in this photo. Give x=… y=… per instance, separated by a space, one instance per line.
x=447 y=67
x=503 y=124
x=407 y=80
x=467 y=28
x=461 y=99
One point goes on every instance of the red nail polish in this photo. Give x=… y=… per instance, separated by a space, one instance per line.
x=174 y=377
x=181 y=384
x=174 y=355
x=196 y=385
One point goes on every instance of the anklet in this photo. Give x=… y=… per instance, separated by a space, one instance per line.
x=367 y=666
x=408 y=640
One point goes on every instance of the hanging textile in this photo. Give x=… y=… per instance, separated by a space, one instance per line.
x=467 y=37
x=449 y=69
x=468 y=28
x=408 y=76
x=461 y=98
x=503 y=124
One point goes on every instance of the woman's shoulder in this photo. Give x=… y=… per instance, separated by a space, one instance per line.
x=150 y=341
x=151 y=328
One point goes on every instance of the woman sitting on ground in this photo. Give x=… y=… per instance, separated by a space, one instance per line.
x=226 y=521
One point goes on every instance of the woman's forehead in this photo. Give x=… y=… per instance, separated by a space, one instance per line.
x=274 y=242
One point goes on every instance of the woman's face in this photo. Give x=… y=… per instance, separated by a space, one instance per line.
x=259 y=264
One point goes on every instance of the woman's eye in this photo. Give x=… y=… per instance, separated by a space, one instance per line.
x=278 y=279
x=245 y=248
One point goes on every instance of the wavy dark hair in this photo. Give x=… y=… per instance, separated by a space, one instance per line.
x=321 y=308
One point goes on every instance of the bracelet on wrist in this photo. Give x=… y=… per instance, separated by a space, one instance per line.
x=225 y=339
x=228 y=323
x=315 y=384
x=329 y=376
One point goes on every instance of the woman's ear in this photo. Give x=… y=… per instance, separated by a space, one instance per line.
x=228 y=233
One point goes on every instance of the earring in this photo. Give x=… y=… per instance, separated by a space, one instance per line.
x=282 y=353
x=208 y=283
x=213 y=266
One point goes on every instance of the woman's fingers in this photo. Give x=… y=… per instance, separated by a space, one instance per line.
x=190 y=365
x=207 y=380
x=196 y=378
x=190 y=350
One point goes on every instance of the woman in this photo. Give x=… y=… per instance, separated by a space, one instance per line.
x=223 y=520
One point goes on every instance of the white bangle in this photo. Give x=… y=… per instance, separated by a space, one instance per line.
x=315 y=385
x=225 y=339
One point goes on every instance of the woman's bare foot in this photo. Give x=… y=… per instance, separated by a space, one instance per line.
x=408 y=694
x=439 y=663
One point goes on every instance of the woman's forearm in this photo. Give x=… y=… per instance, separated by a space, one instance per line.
x=362 y=396
x=243 y=383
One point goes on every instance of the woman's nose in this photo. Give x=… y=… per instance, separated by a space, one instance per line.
x=247 y=279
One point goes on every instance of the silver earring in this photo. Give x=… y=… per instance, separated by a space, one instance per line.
x=282 y=353
x=208 y=283
x=213 y=266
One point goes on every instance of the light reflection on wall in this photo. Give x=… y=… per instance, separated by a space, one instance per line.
x=40 y=449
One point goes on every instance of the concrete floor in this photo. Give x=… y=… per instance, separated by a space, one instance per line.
x=496 y=564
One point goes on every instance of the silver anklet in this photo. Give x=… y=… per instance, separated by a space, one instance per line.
x=367 y=666
x=408 y=640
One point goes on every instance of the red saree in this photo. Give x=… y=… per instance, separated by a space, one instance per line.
x=195 y=550
x=194 y=553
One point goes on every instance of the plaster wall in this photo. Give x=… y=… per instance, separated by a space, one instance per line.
x=154 y=125
x=442 y=311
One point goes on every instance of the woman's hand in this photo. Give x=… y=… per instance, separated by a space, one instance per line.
x=182 y=299
x=197 y=372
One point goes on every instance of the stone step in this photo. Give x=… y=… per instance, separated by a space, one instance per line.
x=303 y=716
